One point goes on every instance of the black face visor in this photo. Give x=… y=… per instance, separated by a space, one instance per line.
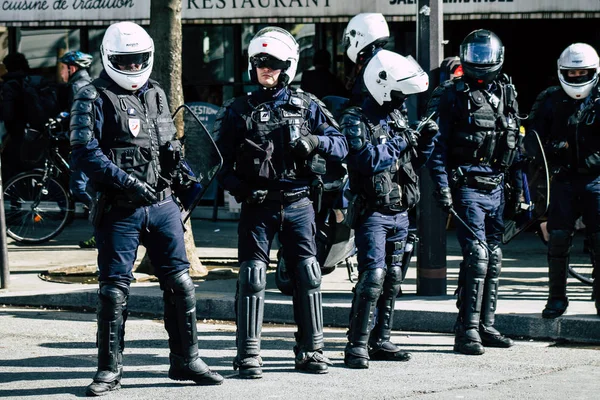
x=124 y=61
x=267 y=61
x=581 y=79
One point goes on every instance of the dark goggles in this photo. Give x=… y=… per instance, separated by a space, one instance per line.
x=126 y=60
x=578 y=80
x=268 y=61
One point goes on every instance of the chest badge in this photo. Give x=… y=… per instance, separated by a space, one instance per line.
x=134 y=126
x=265 y=116
x=131 y=111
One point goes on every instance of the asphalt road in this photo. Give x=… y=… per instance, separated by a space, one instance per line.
x=50 y=354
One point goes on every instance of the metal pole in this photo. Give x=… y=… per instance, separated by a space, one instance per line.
x=4 y=271
x=431 y=221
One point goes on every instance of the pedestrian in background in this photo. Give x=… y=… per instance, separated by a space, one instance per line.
x=123 y=139
x=565 y=118
x=76 y=74
x=477 y=144
x=274 y=143
x=384 y=154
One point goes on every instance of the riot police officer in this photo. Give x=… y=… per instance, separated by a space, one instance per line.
x=364 y=36
x=384 y=153
x=565 y=119
x=77 y=76
x=274 y=143
x=477 y=144
x=121 y=135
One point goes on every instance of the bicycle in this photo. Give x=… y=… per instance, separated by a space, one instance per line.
x=38 y=204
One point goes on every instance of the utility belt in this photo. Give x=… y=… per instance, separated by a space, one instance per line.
x=487 y=183
x=287 y=197
x=386 y=208
x=121 y=200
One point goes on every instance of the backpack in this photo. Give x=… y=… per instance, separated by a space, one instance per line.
x=40 y=101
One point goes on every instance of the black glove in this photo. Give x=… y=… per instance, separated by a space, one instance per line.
x=412 y=138
x=256 y=196
x=519 y=202
x=429 y=129
x=305 y=145
x=139 y=192
x=444 y=198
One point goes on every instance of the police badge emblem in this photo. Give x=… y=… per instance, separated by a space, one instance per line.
x=134 y=126
x=264 y=116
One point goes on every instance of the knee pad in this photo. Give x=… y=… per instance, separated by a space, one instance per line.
x=370 y=283
x=112 y=300
x=394 y=275
x=476 y=259
x=308 y=273
x=253 y=276
x=180 y=283
x=559 y=244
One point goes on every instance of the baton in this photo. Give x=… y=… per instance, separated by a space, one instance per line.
x=481 y=242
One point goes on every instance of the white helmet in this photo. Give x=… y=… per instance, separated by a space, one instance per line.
x=578 y=56
x=126 y=44
x=364 y=33
x=390 y=76
x=275 y=48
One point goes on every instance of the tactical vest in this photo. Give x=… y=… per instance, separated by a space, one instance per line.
x=487 y=131
x=265 y=153
x=397 y=188
x=139 y=133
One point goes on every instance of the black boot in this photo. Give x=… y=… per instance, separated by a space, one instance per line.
x=490 y=337
x=112 y=311
x=249 y=307
x=380 y=346
x=308 y=314
x=180 y=323
x=366 y=292
x=467 y=339
x=559 y=248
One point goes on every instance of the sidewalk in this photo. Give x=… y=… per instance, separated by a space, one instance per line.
x=522 y=293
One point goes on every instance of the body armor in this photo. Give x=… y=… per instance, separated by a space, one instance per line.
x=266 y=154
x=397 y=188
x=488 y=132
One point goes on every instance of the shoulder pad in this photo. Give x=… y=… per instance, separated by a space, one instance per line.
x=87 y=92
x=220 y=115
x=300 y=99
x=544 y=96
x=330 y=118
x=436 y=96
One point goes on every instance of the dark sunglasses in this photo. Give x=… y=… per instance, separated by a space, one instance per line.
x=267 y=61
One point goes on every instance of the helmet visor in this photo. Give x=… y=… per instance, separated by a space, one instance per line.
x=480 y=53
x=264 y=60
x=130 y=62
x=578 y=76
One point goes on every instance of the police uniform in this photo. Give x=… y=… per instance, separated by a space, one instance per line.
x=253 y=133
x=477 y=144
x=382 y=162
x=119 y=141
x=569 y=130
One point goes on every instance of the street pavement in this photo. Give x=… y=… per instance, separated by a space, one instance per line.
x=51 y=354
x=36 y=273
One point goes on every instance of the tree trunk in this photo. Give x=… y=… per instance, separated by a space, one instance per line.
x=165 y=30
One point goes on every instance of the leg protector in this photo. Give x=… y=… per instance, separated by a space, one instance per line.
x=250 y=303
x=467 y=339
x=180 y=323
x=595 y=253
x=380 y=346
x=366 y=292
x=112 y=311
x=559 y=249
x=490 y=337
x=308 y=313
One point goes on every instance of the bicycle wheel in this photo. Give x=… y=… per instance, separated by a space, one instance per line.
x=582 y=272
x=36 y=211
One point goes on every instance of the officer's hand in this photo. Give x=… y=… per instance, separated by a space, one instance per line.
x=305 y=145
x=429 y=129
x=256 y=196
x=520 y=204
x=444 y=198
x=139 y=192
x=412 y=137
